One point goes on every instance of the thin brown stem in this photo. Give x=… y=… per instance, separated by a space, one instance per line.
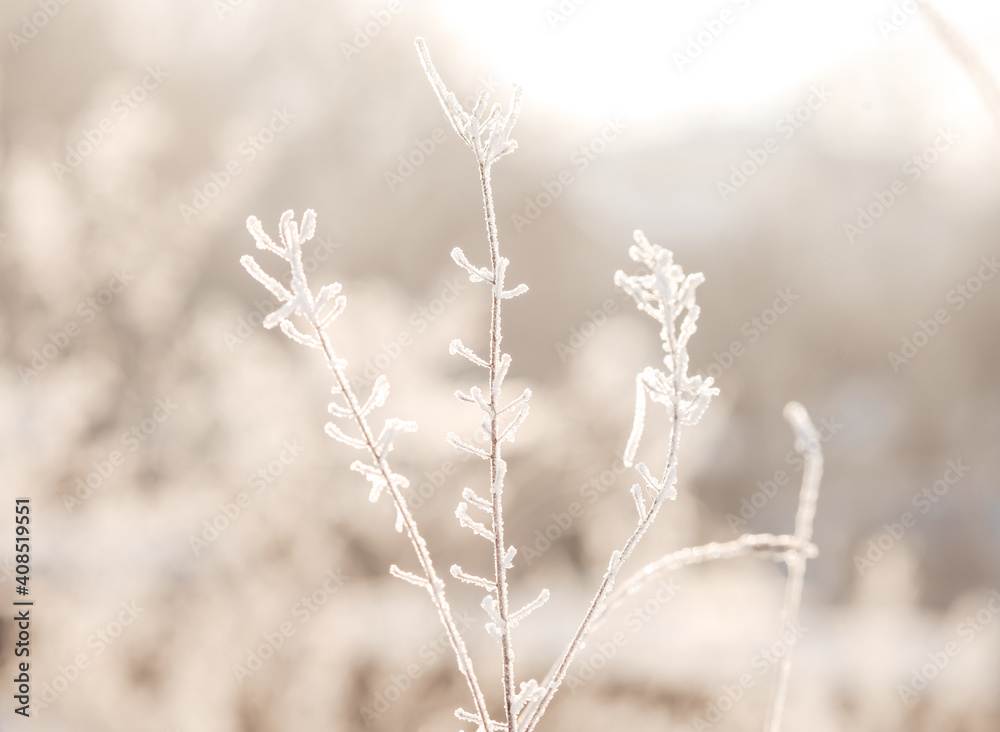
x=496 y=490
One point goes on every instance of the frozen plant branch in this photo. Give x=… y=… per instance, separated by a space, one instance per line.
x=299 y=301
x=488 y=135
x=666 y=294
x=777 y=548
x=792 y=549
x=767 y=546
x=807 y=443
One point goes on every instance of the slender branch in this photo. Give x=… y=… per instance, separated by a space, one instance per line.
x=807 y=442
x=487 y=131
x=768 y=545
x=793 y=549
x=496 y=460
x=435 y=587
x=535 y=712
x=664 y=294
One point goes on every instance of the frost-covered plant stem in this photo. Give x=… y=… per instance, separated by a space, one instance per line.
x=666 y=294
x=496 y=461
x=299 y=300
x=607 y=584
x=767 y=545
x=807 y=441
x=435 y=586
x=488 y=135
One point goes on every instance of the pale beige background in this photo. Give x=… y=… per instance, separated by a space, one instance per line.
x=157 y=622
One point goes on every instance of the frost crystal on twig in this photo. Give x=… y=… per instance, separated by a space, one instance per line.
x=530 y=692
x=299 y=300
x=458 y=573
x=319 y=311
x=487 y=133
x=666 y=294
x=543 y=597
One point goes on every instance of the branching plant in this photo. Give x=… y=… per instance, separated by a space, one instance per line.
x=665 y=293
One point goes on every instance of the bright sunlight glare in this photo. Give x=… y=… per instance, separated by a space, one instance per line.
x=647 y=57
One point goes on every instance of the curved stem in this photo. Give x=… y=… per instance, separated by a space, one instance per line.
x=775 y=547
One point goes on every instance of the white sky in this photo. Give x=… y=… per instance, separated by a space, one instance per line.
x=618 y=56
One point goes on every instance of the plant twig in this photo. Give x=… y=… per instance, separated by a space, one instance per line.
x=806 y=442
x=764 y=545
x=666 y=294
x=488 y=135
x=301 y=301
x=496 y=460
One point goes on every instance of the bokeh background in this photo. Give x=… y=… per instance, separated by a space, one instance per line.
x=203 y=560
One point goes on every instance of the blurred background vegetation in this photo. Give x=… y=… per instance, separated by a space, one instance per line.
x=204 y=561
